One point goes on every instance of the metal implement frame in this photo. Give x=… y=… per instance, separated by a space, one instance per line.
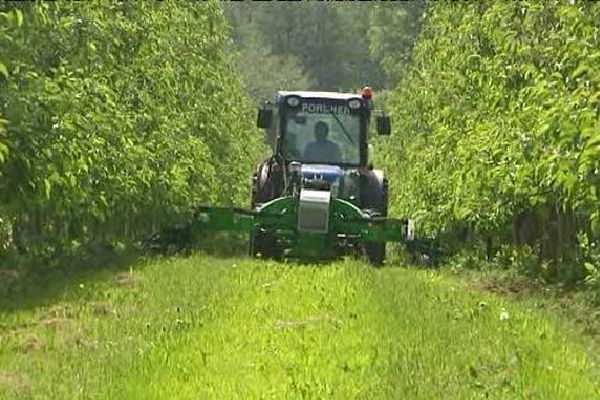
x=348 y=226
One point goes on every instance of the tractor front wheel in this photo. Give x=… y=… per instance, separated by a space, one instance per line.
x=264 y=244
x=375 y=253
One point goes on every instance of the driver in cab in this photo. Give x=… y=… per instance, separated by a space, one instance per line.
x=322 y=149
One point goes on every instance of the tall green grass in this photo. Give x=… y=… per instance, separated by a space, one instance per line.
x=234 y=328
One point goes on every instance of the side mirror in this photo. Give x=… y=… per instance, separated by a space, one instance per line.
x=265 y=116
x=384 y=125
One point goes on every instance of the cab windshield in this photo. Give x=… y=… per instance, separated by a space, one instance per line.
x=328 y=134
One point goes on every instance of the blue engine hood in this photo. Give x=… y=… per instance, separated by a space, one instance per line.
x=330 y=173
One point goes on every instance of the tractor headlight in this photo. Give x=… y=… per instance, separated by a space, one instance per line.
x=354 y=104
x=293 y=101
x=295 y=168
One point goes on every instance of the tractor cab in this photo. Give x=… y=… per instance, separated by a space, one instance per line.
x=321 y=127
x=324 y=134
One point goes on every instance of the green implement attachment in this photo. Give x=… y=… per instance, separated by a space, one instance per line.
x=281 y=222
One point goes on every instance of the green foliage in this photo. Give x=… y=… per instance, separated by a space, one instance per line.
x=497 y=122
x=120 y=117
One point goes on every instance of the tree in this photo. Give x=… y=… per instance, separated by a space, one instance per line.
x=392 y=33
x=330 y=42
x=120 y=117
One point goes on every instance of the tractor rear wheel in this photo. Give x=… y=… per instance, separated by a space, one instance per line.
x=376 y=199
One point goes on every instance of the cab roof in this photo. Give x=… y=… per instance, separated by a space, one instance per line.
x=318 y=95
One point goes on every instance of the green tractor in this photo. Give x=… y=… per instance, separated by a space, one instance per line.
x=318 y=196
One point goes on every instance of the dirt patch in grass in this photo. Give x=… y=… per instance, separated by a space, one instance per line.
x=86 y=343
x=16 y=327
x=124 y=279
x=30 y=342
x=54 y=322
x=13 y=382
x=100 y=309
x=312 y=320
x=70 y=339
x=59 y=311
x=507 y=286
x=57 y=316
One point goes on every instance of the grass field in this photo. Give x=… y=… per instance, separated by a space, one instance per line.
x=236 y=328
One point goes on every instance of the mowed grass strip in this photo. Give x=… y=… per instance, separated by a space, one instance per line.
x=230 y=328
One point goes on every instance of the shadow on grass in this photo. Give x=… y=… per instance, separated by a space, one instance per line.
x=34 y=283
x=27 y=283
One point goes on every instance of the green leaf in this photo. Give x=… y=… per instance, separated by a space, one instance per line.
x=590 y=268
x=3 y=70
x=47 y=188
x=3 y=152
x=19 y=15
